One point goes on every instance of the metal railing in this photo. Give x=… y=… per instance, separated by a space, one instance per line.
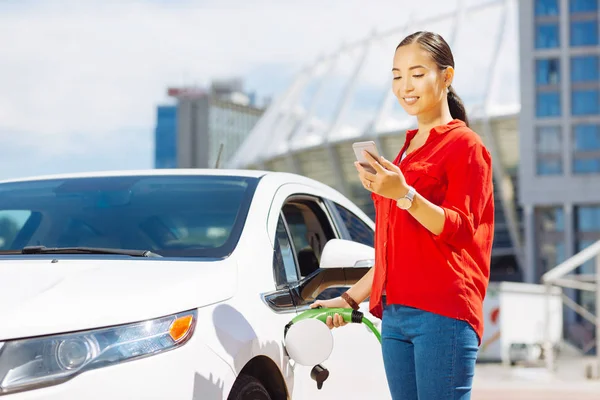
x=559 y=276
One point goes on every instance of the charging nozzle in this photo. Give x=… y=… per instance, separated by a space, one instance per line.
x=349 y=315
x=309 y=342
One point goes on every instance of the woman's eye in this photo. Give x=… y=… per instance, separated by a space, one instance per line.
x=397 y=78
x=418 y=76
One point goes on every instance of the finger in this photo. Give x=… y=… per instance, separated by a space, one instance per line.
x=329 y=322
x=374 y=162
x=316 y=304
x=363 y=173
x=388 y=164
x=337 y=320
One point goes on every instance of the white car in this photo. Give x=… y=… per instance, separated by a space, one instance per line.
x=176 y=285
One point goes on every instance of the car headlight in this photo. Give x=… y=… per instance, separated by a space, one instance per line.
x=43 y=361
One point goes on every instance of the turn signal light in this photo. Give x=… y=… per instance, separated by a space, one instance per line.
x=180 y=327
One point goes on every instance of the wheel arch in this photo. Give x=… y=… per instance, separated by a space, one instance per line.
x=267 y=372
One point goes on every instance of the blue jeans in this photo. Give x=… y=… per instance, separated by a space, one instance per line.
x=427 y=356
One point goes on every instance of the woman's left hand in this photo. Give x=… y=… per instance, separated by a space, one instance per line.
x=388 y=181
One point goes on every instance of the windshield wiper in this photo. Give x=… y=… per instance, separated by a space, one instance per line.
x=82 y=250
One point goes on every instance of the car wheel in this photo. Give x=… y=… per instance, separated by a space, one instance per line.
x=247 y=387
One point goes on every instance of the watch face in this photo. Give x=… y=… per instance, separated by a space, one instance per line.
x=404 y=203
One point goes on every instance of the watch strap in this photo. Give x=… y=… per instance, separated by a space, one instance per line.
x=411 y=193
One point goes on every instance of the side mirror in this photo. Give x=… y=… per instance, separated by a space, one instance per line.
x=309 y=342
x=345 y=253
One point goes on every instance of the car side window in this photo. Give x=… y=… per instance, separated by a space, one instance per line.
x=284 y=259
x=358 y=230
x=310 y=229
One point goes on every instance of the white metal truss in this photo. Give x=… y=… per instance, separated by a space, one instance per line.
x=560 y=276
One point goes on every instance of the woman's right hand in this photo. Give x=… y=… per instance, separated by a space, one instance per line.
x=337 y=319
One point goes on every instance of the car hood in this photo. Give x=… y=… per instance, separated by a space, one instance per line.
x=48 y=296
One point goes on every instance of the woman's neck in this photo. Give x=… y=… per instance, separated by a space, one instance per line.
x=430 y=120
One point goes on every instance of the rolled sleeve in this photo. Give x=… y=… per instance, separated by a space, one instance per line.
x=470 y=190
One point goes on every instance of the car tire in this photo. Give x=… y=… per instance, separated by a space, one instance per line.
x=247 y=387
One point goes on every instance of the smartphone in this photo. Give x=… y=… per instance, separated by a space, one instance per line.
x=370 y=148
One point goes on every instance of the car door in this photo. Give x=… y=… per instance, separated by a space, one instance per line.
x=356 y=352
x=306 y=221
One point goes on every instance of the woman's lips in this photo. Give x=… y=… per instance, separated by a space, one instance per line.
x=410 y=100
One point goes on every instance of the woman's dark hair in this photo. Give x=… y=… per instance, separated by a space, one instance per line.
x=439 y=50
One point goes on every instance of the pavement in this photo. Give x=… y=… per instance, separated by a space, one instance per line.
x=567 y=382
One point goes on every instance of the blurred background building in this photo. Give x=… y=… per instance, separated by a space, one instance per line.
x=559 y=171
x=165 y=137
x=191 y=133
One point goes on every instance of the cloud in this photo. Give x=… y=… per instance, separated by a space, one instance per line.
x=82 y=79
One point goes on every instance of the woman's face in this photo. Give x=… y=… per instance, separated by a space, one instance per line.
x=418 y=83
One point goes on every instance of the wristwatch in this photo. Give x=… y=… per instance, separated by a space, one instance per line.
x=405 y=202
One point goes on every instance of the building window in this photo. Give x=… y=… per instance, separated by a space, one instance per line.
x=586 y=165
x=579 y=6
x=582 y=165
x=546 y=35
x=585 y=102
x=587 y=227
x=546 y=7
x=588 y=219
x=548 y=166
x=552 y=219
x=584 y=32
x=588 y=232
x=549 y=229
x=548 y=148
x=586 y=137
x=586 y=149
x=547 y=72
x=585 y=69
x=549 y=140
x=547 y=104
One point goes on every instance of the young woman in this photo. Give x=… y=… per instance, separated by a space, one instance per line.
x=434 y=230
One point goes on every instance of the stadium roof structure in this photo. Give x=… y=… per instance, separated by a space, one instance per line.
x=346 y=95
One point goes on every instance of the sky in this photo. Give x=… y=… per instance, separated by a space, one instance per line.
x=80 y=79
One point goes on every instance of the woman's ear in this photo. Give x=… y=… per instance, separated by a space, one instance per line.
x=448 y=76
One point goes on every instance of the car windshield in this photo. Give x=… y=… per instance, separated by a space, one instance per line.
x=173 y=216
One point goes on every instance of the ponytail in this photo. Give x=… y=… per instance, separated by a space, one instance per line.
x=457 y=108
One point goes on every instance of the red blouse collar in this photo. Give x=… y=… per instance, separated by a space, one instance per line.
x=437 y=130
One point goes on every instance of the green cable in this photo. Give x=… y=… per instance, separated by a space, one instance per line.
x=372 y=327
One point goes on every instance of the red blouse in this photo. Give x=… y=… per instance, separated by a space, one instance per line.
x=446 y=274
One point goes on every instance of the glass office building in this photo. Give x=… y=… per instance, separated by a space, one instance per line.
x=560 y=133
x=212 y=122
x=165 y=137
